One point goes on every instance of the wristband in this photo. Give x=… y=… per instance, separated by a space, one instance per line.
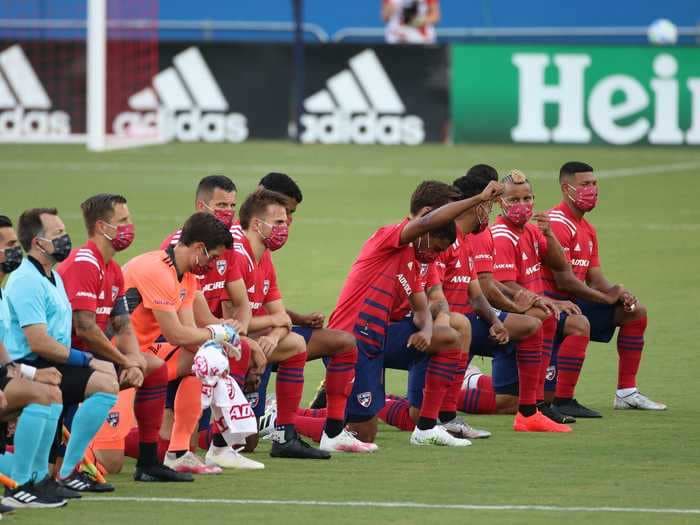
x=78 y=358
x=27 y=371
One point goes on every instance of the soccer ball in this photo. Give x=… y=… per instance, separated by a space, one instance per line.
x=662 y=32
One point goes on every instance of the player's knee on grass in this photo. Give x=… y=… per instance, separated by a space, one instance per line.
x=366 y=431
x=506 y=404
x=577 y=325
x=111 y=460
x=100 y=382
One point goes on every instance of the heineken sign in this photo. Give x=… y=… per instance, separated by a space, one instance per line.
x=575 y=94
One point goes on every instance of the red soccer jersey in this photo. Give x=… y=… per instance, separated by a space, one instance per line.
x=260 y=278
x=517 y=254
x=213 y=284
x=454 y=269
x=579 y=241
x=482 y=250
x=91 y=285
x=369 y=293
x=412 y=278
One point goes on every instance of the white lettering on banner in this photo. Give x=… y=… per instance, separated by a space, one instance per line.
x=605 y=109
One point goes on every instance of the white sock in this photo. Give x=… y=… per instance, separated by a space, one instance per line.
x=624 y=392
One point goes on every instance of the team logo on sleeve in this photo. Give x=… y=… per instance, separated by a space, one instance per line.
x=221 y=266
x=115 y=292
x=183 y=293
x=113 y=419
x=365 y=399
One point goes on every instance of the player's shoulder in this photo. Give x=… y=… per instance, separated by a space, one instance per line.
x=561 y=222
x=173 y=238
x=149 y=262
x=86 y=259
x=241 y=255
x=236 y=231
x=502 y=233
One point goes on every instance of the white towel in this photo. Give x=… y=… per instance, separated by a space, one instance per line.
x=231 y=410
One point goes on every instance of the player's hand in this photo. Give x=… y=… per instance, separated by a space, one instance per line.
x=629 y=301
x=614 y=294
x=281 y=319
x=234 y=323
x=232 y=350
x=568 y=307
x=314 y=320
x=100 y=365
x=492 y=191
x=223 y=333
x=268 y=343
x=131 y=377
x=252 y=382
x=419 y=340
x=3 y=400
x=524 y=300
x=498 y=332
x=549 y=306
x=543 y=223
x=258 y=360
x=48 y=376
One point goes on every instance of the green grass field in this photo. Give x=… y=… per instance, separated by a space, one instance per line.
x=649 y=227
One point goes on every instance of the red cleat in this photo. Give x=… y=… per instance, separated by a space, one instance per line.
x=537 y=422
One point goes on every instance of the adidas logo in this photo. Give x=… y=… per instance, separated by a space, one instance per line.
x=577 y=248
x=524 y=257
x=360 y=105
x=458 y=264
x=25 y=107
x=186 y=103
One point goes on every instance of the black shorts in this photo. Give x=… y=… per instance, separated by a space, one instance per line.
x=4 y=381
x=74 y=379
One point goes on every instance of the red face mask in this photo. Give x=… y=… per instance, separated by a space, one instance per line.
x=584 y=197
x=225 y=216
x=277 y=238
x=423 y=253
x=518 y=213
x=123 y=237
x=201 y=269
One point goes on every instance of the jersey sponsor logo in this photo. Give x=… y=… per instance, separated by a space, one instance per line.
x=585 y=263
x=86 y=294
x=461 y=279
x=483 y=256
x=504 y=266
x=185 y=103
x=30 y=116
x=360 y=105
x=404 y=283
x=221 y=266
x=169 y=303
x=365 y=399
x=103 y=310
x=533 y=269
x=210 y=287
x=266 y=286
x=255 y=306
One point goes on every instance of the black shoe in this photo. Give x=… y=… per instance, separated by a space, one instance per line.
x=81 y=482
x=571 y=407
x=53 y=488
x=553 y=413
x=160 y=473
x=294 y=447
x=319 y=400
x=29 y=496
x=4 y=509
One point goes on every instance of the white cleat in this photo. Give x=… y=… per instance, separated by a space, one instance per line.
x=267 y=422
x=437 y=436
x=636 y=400
x=461 y=429
x=189 y=462
x=227 y=457
x=346 y=442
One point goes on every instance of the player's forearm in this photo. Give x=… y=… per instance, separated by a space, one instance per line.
x=423 y=320
x=202 y=313
x=567 y=282
x=279 y=332
x=599 y=282
x=47 y=347
x=4 y=356
x=483 y=308
x=98 y=344
x=438 y=302
x=437 y=218
x=259 y=323
x=187 y=336
x=124 y=336
x=296 y=318
x=494 y=294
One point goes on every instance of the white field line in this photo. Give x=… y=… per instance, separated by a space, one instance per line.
x=394 y=505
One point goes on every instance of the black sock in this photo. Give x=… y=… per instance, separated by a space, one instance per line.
x=425 y=423
x=333 y=427
x=527 y=410
x=148 y=454
x=447 y=416
x=219 y=440
x=178 y=453
x=561 y=400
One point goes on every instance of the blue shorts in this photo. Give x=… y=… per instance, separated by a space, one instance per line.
x=305 y=331
x=601 y=318
x=504 y=370
x=550 y=378
x=367 y=396
x=397 y=354
x=481 y=343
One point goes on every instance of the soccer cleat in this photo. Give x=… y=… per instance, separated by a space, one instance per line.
x=4 y=509
x=571 y=407
x=636 y=400
x=29 y=496
x=160 y=473
x=537 y=422
x=56 y=489
x=458 y=427
x=469 y=374
x=227 y=457
x=346 y=442
x=286 y=443
x=437 y=436
x=552 y=412
x=319 y=400
x=266 y=425
x=190 y=463
x=81 y=482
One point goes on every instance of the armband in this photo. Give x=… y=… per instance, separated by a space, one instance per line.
x=78 y=358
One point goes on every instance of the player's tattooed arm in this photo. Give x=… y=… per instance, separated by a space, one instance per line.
x=420 y=340
x=438 y=302
x=126 y=341
x=502 y=297
x=87 y=329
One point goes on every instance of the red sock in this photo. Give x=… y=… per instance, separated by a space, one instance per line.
x=149 y=404
x=312 y=412
x=340 y=374
x=290 y=386
x=479 y=400
x=204 y=438
x=131 y=444
x=239 y=368
x=549 y=328
x=163 y=445
x=528 y=356
x=630 y=343
x=449 y=404
x=438 y=378
x=311 y=427
x=572 y=352
x=396 y=412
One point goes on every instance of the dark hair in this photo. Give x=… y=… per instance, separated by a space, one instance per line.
x=572 y=168
x=282 y=183
x=5 y=222
x=432 y=194
x=29 y=225
x=204 y=227
x=447 y=232
x=257 y=202
x=99 y=207
x=209 y=183
x=516 y=177
x=475 y=180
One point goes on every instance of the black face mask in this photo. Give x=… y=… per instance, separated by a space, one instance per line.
x=61 y=247
x=13 y=258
